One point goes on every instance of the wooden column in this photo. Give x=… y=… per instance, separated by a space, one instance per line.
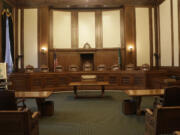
x=130 y=35
x=74 y=29
x=43 y=35
x=98 y=25
x=0 y=32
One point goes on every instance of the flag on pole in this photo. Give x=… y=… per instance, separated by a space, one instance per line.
x=8 y=55
x=55 y=61
x=119 y=57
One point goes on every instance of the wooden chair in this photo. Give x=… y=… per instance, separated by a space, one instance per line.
x=8 y=101
x=164 y=120
x=19 y=122
x=130 y=67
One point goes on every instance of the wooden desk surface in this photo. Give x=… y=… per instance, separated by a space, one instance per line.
x=147 y=92
x=33 y=94
x=88 y=83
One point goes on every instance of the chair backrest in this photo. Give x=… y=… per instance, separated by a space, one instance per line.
x=172 y=96
x=7 y=100
x=17 y=123
x=44 y=68
x=115 y=67
x=29 y=69
x=59 y=68
x=167 y=119
x=73 y=68
x=87 y=66
x=101 y=67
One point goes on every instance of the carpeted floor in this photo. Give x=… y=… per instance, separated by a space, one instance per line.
x=91 y=116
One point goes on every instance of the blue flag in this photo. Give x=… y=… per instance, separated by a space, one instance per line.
x=8 y=56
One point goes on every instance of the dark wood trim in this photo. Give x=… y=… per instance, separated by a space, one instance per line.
x=122 y=28
x=16 y=38
x=43 y=34
x=179 y=27
x=151 y=36
x=157 y=35
x=172 y=31
x=39 y=36
x=11 y=3
x=129 y=21
x=98 y=29
x=0 y=32
x=135 y=47
x=74 y=29
x=22 y=38
x=51 y=29
x=122 y=36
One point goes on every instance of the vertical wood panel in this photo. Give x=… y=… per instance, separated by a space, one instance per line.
x=22 y=38
x=151 y=36
x=179 y=27
x=98 y=25
x=0 y=32
x=123 y=53
x=51 y=30
x=74 y=29
x=130 y=34
x=16 y=38
x=43 y=34
x=172 y=32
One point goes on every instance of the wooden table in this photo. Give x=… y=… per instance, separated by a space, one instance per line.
x=39 y=96
x=138 y=94
x=88 y=83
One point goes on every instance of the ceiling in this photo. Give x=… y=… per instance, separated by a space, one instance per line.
x=82 y=3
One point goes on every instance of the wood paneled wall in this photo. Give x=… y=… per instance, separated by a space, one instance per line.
x=43 y=34
x=67 y=57
x=0 y=32
x=130 y=35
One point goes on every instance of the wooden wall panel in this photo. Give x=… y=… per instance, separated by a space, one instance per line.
x=98 y=25
x=74 y=29
x=130 y=34
x=43 y=34
x=0 y=33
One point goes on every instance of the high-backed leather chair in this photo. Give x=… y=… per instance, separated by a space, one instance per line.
x=59 y=68
x=171 y=96
x=130 y=67
x=115 y=67
x=101 y=67
x=44 y=68
x=163 y=120
x=8 y=101
x=145 y=67
x=19 y=122
x=73 y=68
x=87 y=66
x=29 y=69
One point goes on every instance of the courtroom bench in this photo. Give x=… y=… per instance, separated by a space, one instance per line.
x=58 y=81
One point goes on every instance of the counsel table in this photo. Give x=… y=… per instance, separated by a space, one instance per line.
x=138 y=94
x=40 y=97
x=88 y=83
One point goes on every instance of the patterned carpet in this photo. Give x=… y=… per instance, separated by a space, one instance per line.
x=91 y=116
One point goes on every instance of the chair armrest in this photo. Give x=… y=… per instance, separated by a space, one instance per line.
x=148 y=111
x=35 y=115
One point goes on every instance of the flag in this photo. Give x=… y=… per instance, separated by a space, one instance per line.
x=55 y=61
x=8 y=55
x=119 y=57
